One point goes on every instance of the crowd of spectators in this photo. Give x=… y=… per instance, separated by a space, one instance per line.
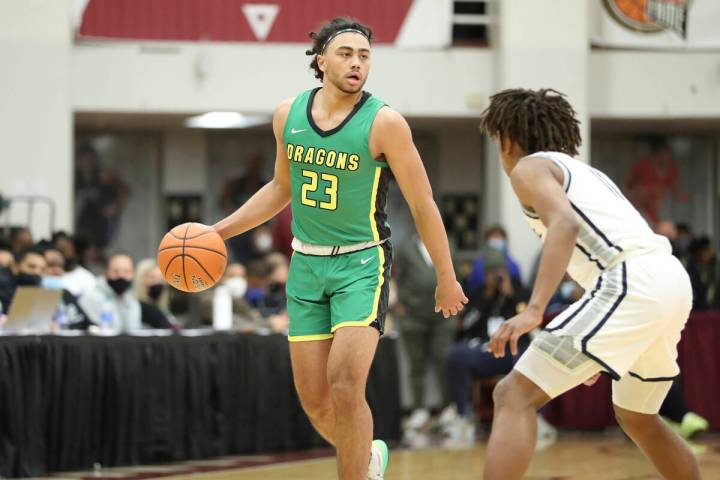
x=122 y=296
x=496 y=292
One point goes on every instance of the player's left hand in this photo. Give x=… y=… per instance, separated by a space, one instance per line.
x=449 y=298
x=511 y=330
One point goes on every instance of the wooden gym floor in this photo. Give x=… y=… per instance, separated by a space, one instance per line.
x=574 y=456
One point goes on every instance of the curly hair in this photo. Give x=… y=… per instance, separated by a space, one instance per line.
x=327 y=31
x=537 y=120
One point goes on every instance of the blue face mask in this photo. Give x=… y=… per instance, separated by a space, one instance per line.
x=566 y=289
x=51 y=283
x=496 y=243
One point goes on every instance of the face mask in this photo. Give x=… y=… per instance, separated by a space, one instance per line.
x=237 y=286
x=154 y=291
x=275 y=287
x=119 y=285
x=263 y=243
x=566 y=289
x=496 y=243
x=52 y=283
x=28 y=280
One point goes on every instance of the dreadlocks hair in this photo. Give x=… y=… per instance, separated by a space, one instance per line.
x=536 y=120
x=320 y=38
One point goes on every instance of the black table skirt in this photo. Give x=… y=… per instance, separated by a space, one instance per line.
x=67 y=403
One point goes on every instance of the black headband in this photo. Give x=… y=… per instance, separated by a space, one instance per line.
x=344 y=30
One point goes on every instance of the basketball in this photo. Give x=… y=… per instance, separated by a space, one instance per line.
x=192 y=257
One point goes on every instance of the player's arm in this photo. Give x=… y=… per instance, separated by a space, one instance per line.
x=391 y=137
x=537 y=183
x=272 y=197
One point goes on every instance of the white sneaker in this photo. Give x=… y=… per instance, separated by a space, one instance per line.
x=379 y=459
x=418 y=419
x=459 y=433
x=448 y=415
x=415 y=439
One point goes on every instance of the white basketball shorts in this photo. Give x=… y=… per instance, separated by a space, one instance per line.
x=628 y=325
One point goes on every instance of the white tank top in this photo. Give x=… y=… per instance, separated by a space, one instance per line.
x=610 y=227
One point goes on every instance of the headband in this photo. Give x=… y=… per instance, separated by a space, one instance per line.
x=345 y=30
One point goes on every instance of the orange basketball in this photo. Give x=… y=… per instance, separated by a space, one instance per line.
x=192 y=257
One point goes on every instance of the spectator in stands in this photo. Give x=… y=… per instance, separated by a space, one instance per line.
x=426 y=335
x=258 y=278
x=100 y=196
x=684 y=239
x=70 y=314
x=27 y=271
x=7 y=259
x=152 y=291
x=568 y=292
x=704 y=272
x=652 y=178
x=76 y=279
x=20 y=239
x=236 y=191
x=112 y=304
x=224 y=307
x=495 y=238
x=279 y=266
x=494 y=302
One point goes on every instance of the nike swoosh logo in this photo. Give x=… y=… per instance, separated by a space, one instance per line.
x=365 y=260
x=292 y=130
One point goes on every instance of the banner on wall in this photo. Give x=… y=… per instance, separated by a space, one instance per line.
x=407 y=23
x=656 y=24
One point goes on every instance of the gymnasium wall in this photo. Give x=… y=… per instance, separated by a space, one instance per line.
x=48 y=76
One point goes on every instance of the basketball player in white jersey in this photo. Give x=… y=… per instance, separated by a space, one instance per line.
x=637 y=295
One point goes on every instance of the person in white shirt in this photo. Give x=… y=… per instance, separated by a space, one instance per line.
x=112 y=304
x=637 y=298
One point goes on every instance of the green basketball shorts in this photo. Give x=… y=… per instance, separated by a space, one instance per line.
x=325 y=293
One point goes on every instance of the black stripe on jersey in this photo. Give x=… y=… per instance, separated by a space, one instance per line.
x=327 y=133
x=598 y=284
x=602 y=322
x=380 y=203
x=589 y=256
x=653 y=379
x=605 y=182
x=595 y=228
x=384 y=300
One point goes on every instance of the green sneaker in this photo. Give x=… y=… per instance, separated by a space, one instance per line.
x=379 y=459
x=691 y=424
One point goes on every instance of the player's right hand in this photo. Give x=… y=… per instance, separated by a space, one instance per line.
x=449 y=298
x=511 y=330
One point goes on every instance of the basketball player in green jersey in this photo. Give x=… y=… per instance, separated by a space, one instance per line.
x=337 y=147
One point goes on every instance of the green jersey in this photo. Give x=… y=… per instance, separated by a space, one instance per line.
x=339 y=190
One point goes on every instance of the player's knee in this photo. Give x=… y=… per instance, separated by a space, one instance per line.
x=634 y=422
x=506 y=393
x=316 y=406
x=346 y=388
x=512 y=391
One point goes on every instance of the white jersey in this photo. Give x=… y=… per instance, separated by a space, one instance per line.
x=610 y=227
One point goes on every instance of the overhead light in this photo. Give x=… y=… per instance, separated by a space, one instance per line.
x=226 y=120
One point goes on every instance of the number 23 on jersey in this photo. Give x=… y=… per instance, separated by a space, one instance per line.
x=326 y=182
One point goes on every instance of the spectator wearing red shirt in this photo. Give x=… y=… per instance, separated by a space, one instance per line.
x=651 y=178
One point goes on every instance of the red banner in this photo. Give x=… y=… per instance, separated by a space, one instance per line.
x=235 y=20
